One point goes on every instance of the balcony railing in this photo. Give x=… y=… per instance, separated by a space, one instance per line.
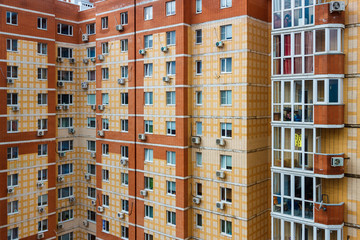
x=329 y=164
x=329 y=214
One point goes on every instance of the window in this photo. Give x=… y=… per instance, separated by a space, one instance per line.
x=105 y=226
x=105 y=98
x=148 y=236
x=13 y=234
x=198 y=67
x=65 y=52
x=91 y=215
x=124 y=179
x=13 y=207
x=91 y=146
x=65 y=122
x=12 y=18
x=91 y=99
x=65 y=192
x=91 y=52
x=105 y=48
x=124 y=45
x=171 y=218
x=148 y=69
x=198 y=128
x=65 y=99
x=12 y=99
x=225 y=162
x=225 y=97
x=12 y=126
x=226 y=129
x=198 y=6
x=198 y=159
x=149 y=211
x=149 y=155
x=226 y=32
x=149 y=183
x=67 y=236
x=225 y=3
x=65 y=76
x=12 y=180
x=170 y=38
x=42 y=175
x=171 y=128
x=226 y=65
x=104 y=23
x=198 y=36
x=105 y=149
x=124 y=72
x=124 y=152
x=198 y=189
x=171 y=187
x=42 y=23
x=42 y=124
x=148 y=41
x=91 y=122
x=12 y=72
x=170 y=158
x=148 y=13
x=226 y=227
x=106 y=200
x=198 y=97
x=42 y=48
x=328 y=40
x=91 y=75
x=43 y=200
x=198 y=220
x=170 y=8
x=91 y=192
x=12 y=45
x=124 y=232
x=90 y=28
x=148 y=126
x=124 y=98
x=125 y=205
x=105 y=175
x=148 y=98
x=64 y=29
x=124 y=125
x=105 y=73
x=42 y=150
x=65 y=169
x=170 y=68
x=170 y=98
x=124 y=18
x=64 y=146
x=91 y=169
x=65 y=215
x=12 y=153
x=42 y=99
x=226 y=195
x=42 y=73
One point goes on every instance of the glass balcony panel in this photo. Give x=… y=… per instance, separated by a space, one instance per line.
x=309 y=210
x=277 y=20
x=287 y=230
x=309 y=140
x=297 y=3
x=277 y=184
x=276 y=228
x=333 y=39
x=277 y=92
x=309 y=162
x=298 y=160
x=287 y=19
x=277 y=113
x=333 y=90
x=333 y=235
x=287 y=185
x=287 y=92
x=309 y=64
x=309 y=49
x=308 y=113
x=298 y=207
x=298 y=18
x=277 y=158
x=287 y=66
x=297 y=187
x=309 y=194
x=321 y=91
x=298 y=140
x=308 y=96
x=287 y=206
x=277 y=66
x=287 y=159
x=320 y=40
x=287 y=140
x=309 y=15
x=298 y=231
x=277 y=46
x=320 y=234
x=287 y=4
x=309 y=232
x=298 y=91
x=277 y=138
x=277 y=204
x=298 y=112
x=297 y=65
x=287 y=113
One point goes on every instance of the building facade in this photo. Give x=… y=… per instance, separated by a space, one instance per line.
x=136 y=119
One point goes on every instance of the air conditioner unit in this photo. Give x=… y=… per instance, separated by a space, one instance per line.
x=40 y=235
x=220 y=174
x=101 y=107
x=220 y=205
x=87 y=176
x=40 y=133
x=59 y=59
x=10 y=81
x=220 y=142
x=60 y=84
x=71 y=199
x=219 y=44
x=66 y=107
x=85 y=223
x=93 y=59
x=337 y=6
x=121 y=81
x=164 y=49
x=39 y=184
x=85 y=37
x=71 y=130
x=85 y=60
x=196 y=140
x=143 y=193
x=60 y=178
x=142 y=51
x=166 y=79
x=120 y=215
x=58 y=107
x=196 y=200
x=124 y=161
x=61 y=154
x=100 y=209
x=119 y=27
x=337 y=162
x=15 y=108
x=93 y=202
x=41 y=209
x=142 y=137
x=10 y=189
x=101 y=133
x=93 y=107
x=93 y=154
x=84 y=85
x=71 y=60
x=101 y=57
x=60 y=226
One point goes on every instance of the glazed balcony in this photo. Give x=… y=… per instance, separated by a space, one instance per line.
x=329 y=114
x=329 y=214
x=329 y=165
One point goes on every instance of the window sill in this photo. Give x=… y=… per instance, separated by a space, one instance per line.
x=44 y=29
x=225 y=72
x=149 y=218
x=14 y=213
x=12 y=51
x=68 y=35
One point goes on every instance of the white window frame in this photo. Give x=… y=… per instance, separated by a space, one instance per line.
x=124 y=98
x=198 y=98
x=42 y=74
x=66 y=169
x=198 y=157
x=91 y=120
x=170 y=98
x=171 y=128
x=149 y=183
x=68 y=50
x=148 y=126
x=43 y=124
x=225 y=4
x=40 y=23
x=91 y=193
x=148 y=41
x=12 y=99
x=13 y=126
x=63 y=214
x=125 y=205
x=148 y=13
x=42 y=99
x=65 y=76
x=91 y=28
x=171 y=218
x=170 y=8
x=12 y=72
x=105 y=149
x=226 y=162
x=224 y=225
x=42 y=150
x=226 y=127
x=198 y=67
x=171 y=38
x=148 y=98
x=171 y=158
x=70 y=143
x=105 y=200
x=13 y=180
x=91 y=145
x=13 y=152
x=13 y=207
x=65 y=122
x=61 y=100
x=104 y=22
x=198 y=36
x=91 y=169
x=43 y=200
x=224 y=195
x=225 y=97
x=170 y=68
x=11 y=22
x=105 y=226
x=105 y=48
x=226 y=32
x=69 y=30
x=105 y=173
x=124 y=20
x=43 y=175
x=198 y=6
x=224 y=62
x=124 y=71
x=171 y=188
x=124 y=179
x=149 y=212
x=42 y=48
x=124 y=125
x=91 y=75
x=60 y=192
x=124 y=45
x=12 y=45
x=105 y=73
x=148 y=70
x=149 y=155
